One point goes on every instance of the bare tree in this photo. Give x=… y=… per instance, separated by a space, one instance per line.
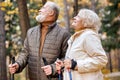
x=24 y=18
x=66 y=15
x=3 y=73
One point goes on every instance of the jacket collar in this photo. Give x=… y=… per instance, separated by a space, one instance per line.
x=50 y=27
x=78 y=33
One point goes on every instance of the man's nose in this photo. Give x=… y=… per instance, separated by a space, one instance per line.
x=74 y=18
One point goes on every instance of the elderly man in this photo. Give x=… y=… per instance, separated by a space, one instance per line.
x=47 y=40
x=85 y=55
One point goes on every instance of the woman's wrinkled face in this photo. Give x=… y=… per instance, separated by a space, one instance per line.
x=77 y=23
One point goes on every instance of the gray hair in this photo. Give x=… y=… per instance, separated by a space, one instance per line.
x=55 y=7
x=90 y=19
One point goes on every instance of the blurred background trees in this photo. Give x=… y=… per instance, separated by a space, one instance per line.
x=3 y=75
x=19 y=16
x=111 y=32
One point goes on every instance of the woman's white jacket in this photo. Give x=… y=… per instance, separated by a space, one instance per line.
x=85 y=48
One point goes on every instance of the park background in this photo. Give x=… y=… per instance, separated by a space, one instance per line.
x=17 y=16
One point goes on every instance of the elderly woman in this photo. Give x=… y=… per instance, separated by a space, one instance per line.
x=85 y=56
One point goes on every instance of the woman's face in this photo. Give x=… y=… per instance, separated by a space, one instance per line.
x=77 y=23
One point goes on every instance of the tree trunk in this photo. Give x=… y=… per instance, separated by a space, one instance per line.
x=118 y=59
x=94 y=4
x=110 y=62
x=24 y=21
x=66 y=15
x=44 y=1
x=75 y=7
x=3 y=73
x=24 y=18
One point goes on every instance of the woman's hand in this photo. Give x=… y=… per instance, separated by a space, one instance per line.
x=67 y=63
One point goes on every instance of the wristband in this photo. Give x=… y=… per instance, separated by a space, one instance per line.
x=73 y=65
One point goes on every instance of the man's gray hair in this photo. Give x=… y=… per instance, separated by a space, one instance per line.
x=55 y=7
x=90 y=19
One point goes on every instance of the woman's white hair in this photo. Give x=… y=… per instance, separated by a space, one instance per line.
x=89 y=19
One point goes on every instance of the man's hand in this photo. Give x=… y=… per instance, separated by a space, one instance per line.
x=13 y=68
x=47 y=69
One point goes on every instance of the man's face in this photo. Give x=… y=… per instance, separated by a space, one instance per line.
x=77 y=23
x=43 y=14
